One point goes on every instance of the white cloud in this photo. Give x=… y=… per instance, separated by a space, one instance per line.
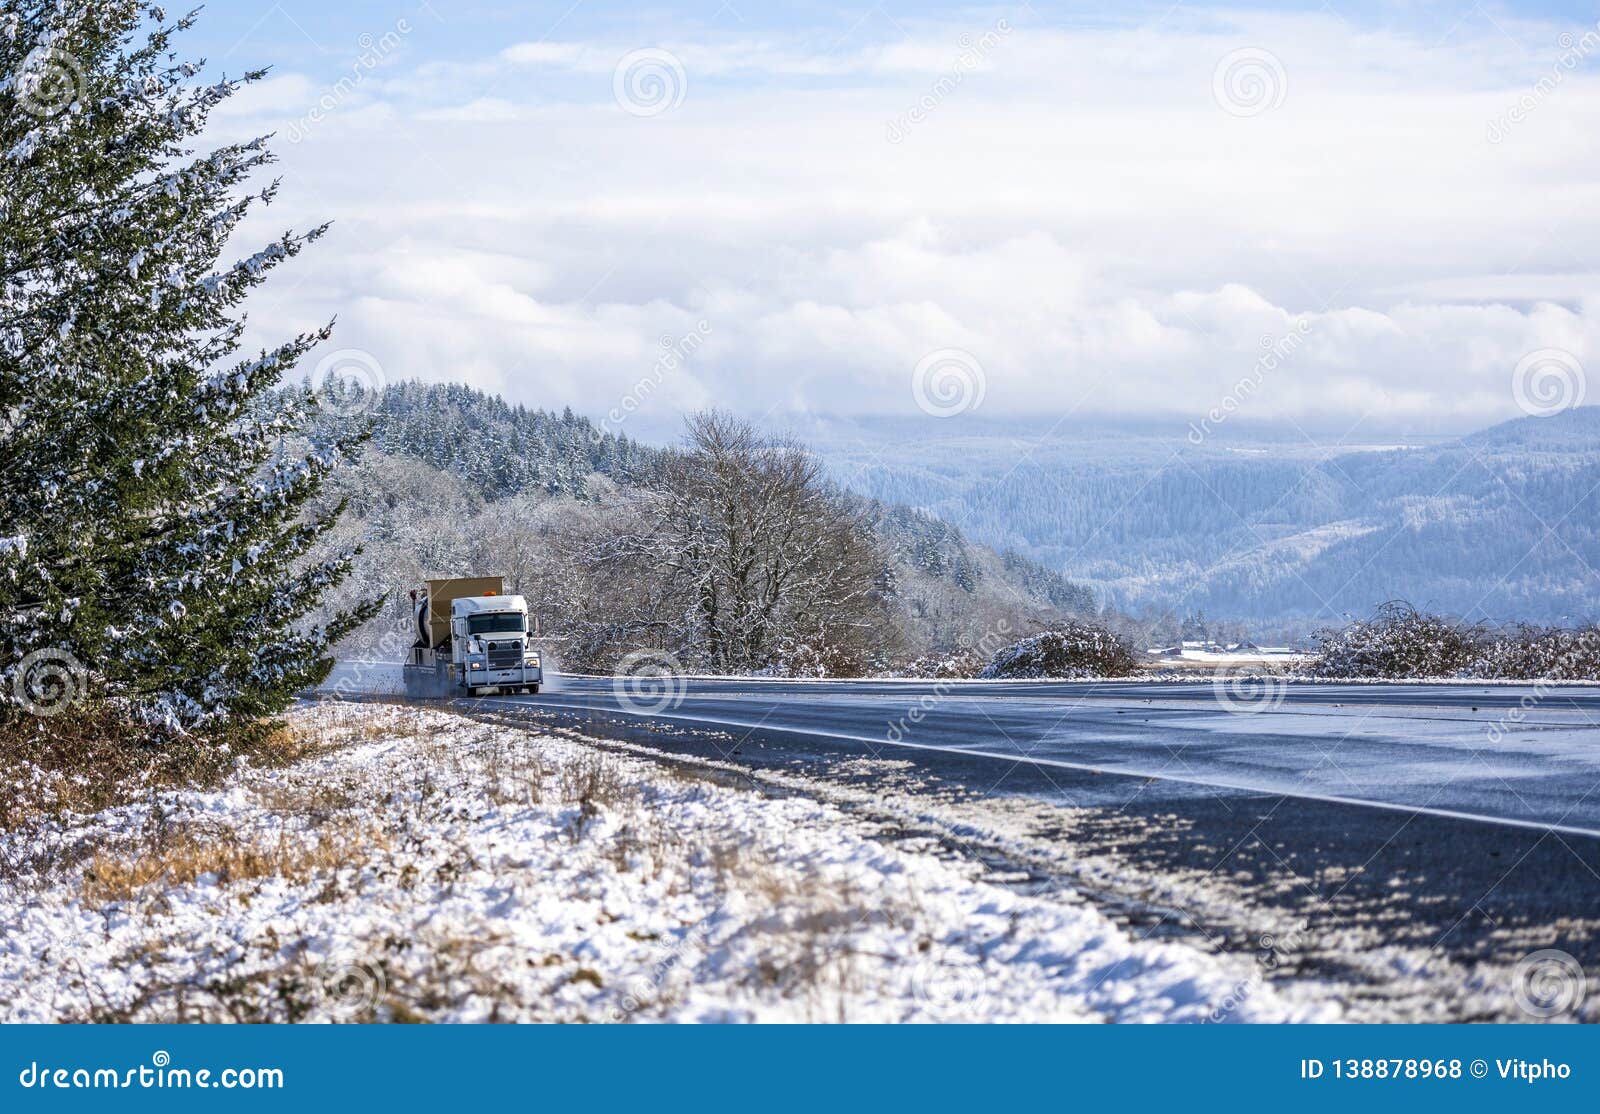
x=1077 y=211
x=561 y=54
x=482 y=110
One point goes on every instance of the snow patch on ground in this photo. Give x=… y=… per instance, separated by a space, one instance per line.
x=430 y=867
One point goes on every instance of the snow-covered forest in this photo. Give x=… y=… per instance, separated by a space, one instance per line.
x=456 y=481
x=499 y=449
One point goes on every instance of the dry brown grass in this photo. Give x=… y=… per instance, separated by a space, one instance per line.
x=181 y=854
x=810 y=927
x=86 y=762
x=338 y=723
x=595 y=785
x=515 y=770
x=91 y=759
x=317 y=801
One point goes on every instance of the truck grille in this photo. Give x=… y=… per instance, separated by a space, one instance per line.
x=505 y=655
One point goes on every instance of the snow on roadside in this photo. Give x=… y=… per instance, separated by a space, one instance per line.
x=430 y=867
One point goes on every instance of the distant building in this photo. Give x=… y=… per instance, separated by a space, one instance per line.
x=1198 y=650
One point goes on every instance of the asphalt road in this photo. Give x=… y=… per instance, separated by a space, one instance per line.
x=1516 y=755
x=1496 y=754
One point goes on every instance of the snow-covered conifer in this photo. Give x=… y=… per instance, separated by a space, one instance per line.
x=156 y=516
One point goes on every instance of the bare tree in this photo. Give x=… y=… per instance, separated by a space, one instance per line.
x=761 y=566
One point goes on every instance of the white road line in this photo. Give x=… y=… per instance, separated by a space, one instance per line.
x=1056 y=763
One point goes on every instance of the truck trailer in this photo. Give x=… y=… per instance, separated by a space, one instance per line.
x=471 y=638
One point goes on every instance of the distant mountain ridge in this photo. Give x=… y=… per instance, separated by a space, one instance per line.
x=1502 y=524
x=1575 y=430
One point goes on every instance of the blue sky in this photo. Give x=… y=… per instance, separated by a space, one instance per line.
x=304 y=31
x=798 y=207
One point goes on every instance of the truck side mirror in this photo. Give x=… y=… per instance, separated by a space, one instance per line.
x=458 y=627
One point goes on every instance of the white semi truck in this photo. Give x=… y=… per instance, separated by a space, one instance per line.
x=471 y=638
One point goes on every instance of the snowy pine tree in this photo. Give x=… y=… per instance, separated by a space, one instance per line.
x=155 y=521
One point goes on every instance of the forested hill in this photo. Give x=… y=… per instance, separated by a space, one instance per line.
x=498 y=450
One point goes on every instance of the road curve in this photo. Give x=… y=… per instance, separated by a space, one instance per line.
x=1513 y=755
x=1488 y=753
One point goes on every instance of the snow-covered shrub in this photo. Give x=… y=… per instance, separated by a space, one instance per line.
x=1074 y=650
x=820 y=658
x=1531 y=653
x=943 y=667
x=799 y=659
x=1398 y=642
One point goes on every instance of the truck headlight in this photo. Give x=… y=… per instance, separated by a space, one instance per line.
x=477 y=665
x=533 y=660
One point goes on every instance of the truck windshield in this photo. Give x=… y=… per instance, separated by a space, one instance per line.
x=499 y=622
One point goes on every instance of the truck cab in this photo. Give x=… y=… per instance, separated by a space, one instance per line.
x=471 y=638
x=489 y=636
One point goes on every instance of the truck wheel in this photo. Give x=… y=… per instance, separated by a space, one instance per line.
x=534 y=689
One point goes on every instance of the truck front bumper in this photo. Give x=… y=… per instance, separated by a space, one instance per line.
x=504 y=678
